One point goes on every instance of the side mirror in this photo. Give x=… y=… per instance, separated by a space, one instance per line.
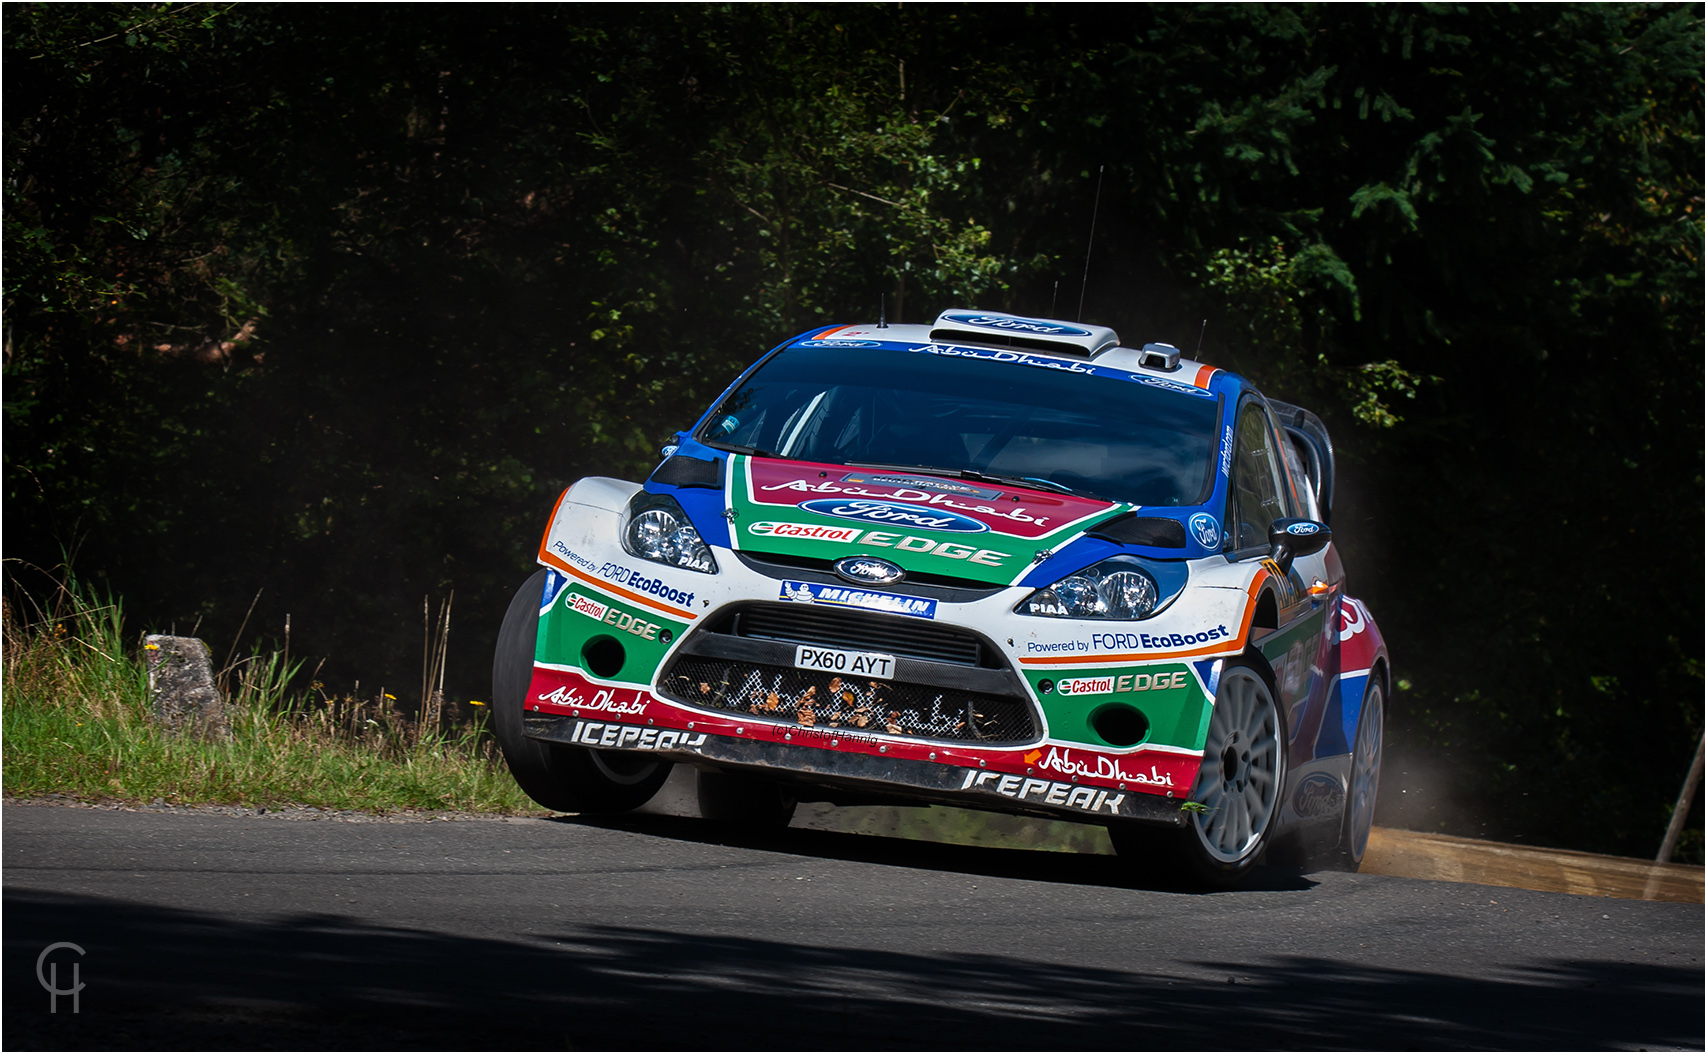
x=1290 y=538
x=670 y=446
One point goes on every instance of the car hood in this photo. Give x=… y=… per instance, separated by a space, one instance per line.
x=967 y=529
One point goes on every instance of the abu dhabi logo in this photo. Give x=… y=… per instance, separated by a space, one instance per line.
x=50 y=980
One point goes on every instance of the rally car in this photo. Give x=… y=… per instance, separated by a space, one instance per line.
x=996 y=562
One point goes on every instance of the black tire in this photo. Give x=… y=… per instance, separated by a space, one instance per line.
x=1365 y=777
x=1239 y=787
x=744 y=800
x=559 y=777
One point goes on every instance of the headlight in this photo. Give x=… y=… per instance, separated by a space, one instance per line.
x=658 y=530
x=1117 y=588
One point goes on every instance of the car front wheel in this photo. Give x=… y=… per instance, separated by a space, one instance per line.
x=1235 y=801
x=559 y=777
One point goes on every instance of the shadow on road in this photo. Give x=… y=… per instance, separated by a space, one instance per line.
x=166 y=978
x=1078 y=869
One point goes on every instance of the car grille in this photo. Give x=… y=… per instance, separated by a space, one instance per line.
x=813 y=698
x=949 y=683
x=858 y=631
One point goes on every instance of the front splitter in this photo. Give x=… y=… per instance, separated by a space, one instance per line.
x=879 y=773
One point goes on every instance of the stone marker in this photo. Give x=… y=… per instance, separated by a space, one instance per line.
x=180 y=676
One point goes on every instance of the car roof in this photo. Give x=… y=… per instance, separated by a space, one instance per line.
x=1027 y=336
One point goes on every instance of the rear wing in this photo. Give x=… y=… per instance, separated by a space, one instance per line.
x=1310 y=437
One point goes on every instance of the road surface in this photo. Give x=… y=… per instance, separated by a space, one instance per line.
x=202 y=929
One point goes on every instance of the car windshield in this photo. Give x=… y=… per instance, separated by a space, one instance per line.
x=1094 y=431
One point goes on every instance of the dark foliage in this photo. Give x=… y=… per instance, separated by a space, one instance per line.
x=331 y=301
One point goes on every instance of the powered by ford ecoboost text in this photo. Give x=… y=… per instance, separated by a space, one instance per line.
x=997 y=562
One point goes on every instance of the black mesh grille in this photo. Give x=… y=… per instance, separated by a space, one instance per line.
x=1156 y=531
x=816 y=699
x=684 y=471
x=857 y=631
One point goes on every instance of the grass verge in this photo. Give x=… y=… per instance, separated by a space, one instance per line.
x=75 y=720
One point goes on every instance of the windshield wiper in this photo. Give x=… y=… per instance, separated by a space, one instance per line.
x=918 y=470
x=736 y=448
x=1017 y=481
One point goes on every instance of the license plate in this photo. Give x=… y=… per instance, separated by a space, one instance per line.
x=853 y=663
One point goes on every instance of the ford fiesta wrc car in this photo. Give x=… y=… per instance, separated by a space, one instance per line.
x=996 y=562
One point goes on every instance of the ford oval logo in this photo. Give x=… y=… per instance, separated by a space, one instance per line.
x=869 y=570
x=1206 y=530
x=1301 y=529
x=896 y=514
x=1014 y=324
x=1318 y=795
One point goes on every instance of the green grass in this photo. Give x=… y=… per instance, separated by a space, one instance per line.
x=76 y=721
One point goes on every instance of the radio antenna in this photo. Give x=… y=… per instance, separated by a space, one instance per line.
x=1056 y=295
x=1086 y=281
x=1200 y=333
x=882 y=312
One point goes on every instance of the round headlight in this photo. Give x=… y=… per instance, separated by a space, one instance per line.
x=1121 y=588
x=1128 y=594
x=1079 y=596
x=690 y=550
x=660 y=531
x=653 y=534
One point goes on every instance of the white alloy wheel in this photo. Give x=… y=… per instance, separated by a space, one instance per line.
x=1244 y=762
x=1365 y=775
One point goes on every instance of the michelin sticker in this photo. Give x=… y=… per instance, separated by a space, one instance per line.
x=869 y=600
x=1206 y=530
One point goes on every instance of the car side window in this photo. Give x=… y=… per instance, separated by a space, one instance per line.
x=1301 y=487
x=1257 y=499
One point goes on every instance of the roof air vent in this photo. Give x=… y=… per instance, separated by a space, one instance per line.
x=993 y=328
x=1162 y=357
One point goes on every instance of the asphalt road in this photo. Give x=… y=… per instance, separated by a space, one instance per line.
x=207 y=930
